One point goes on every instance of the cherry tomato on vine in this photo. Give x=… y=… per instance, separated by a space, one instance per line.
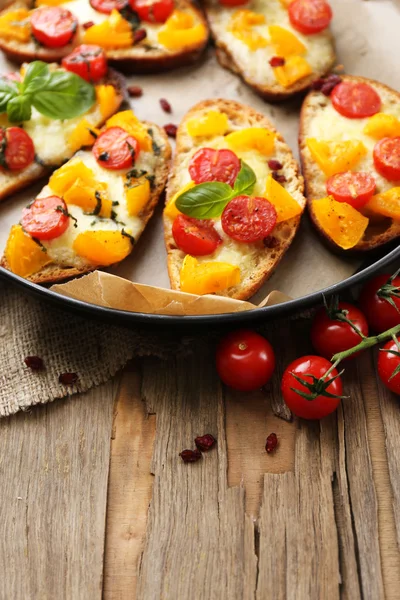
x=304 y=368
x=330 y=335
x=380 y=302
x=388 y=362
x=245 y=360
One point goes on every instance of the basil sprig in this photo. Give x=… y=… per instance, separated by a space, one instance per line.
x=57 y=94
x=208 y=200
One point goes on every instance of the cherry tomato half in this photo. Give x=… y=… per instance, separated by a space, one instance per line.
x=310 y=16
x=354 y=188
x=245 y=360
x=248 y=219
x=194 y=236
x=231 y=3
x=116 y=149
x=89 y=62
x=381 y=314
x=208 y=164
x=330 y=336
x=17 y=148
x=153 y=11
x=387 y=158
x=355 y=99
x=322 y=405
x=54 y=27
x=387 y=363
x=45 y=218
x=107 y=6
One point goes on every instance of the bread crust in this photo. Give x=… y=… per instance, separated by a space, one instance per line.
x=53 y=273
x=283 y=234
x=375 y=236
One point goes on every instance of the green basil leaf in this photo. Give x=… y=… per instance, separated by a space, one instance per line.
x=245 y=181
x=65 y=96
x=19 y=109
x=205 y=201
x=8 y=90
x=36 y=77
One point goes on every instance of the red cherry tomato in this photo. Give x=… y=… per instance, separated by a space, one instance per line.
x=387 y=364
x=194 y=236
x=89 y=62
x=116 y=149
x=16 y=148
x=231 y=3
x=248 y=219
x=303 y=368
x=354 y=188
x=355 y=99
x=45 y=218
x=330 y=336
x=310 y=16
x=153 y=11
x=54 y=27
x=245 y=360
x=107 y=6
x=381 y=314
x=214 y=165
x=387 y=158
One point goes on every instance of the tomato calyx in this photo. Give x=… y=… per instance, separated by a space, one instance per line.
x=318 y=386
x=340 y=314
x=394 y=353
x=388 y=291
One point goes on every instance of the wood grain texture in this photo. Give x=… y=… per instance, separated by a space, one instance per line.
x=54 y=469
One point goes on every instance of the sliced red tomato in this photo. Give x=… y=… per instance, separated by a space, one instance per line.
x=247 y=219
x=53 y=26
x=387 y=158
x=310 y=16
x=354 y=188
x=194 y=236
x=89 y=62
x=231 y=3
x=116 y=149
x=152 y=11
x=214 y=165
x=355 y=99
x=16 y=148
x=45 y=218
x=107 y=6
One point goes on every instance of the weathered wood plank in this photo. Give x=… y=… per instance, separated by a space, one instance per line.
x=54 y=468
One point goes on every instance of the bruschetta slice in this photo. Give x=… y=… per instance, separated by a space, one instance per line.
x=234 y=201
x=278 y=47
x=139 y=36
x=95 y=207
x=350 y=154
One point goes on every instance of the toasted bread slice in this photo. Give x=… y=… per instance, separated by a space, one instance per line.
x=320 y=120
x=258 y=260
x=253 y=65
x=54 y=273
x=148 y=56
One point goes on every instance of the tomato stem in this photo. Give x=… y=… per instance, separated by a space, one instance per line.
x=367 y=342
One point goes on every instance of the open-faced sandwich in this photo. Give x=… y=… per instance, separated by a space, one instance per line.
x=94 y=208
x=48 y=112
x=234 y=201
x=350 y=153
x=278 y=47
x=137 y=35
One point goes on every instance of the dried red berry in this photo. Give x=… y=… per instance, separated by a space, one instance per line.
x=277 y=61
x=88 y=24
x=34 y=362
x=275 y=165
x=135 y=91
x=68 y=378
x=270 y=242
x=190 y=456
x=205 y=442
x=278 y=178
x=326 y=84
x=139 y=36
x=165 y=105
x=170 y=130
x=272 y=442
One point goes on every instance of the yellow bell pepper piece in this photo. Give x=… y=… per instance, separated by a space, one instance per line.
x=285 y=3
x=89 y=198
x=336 y=157
x=65 y=176
x=82 y=135
x=241 y=26
x=114 y=32
x=382 y=125
x=210 y=124
x=285 y=205
x=137 y=195
x=285 y=42
x=180 y=20
x=131 y=124
x=170 y=210
x=107 y=99
x=252 y=138
x=50 y=2
x=342 y=223
x=386 y=204
x=102 y=248
x=208 y=277
x=294 y=69
x=14 y=25
x=24 y=256
x=179 y=31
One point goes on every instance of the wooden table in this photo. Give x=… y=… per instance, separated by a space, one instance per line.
x=95 y=501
